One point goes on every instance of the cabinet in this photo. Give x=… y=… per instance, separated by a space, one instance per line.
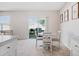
x=9 y=49
x=74 y=48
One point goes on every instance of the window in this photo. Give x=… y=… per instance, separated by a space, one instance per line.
x=4 y=23
x=6 y=27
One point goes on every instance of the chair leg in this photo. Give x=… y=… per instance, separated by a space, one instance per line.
x=51 y=48
x=36 y=42
x=51 y=51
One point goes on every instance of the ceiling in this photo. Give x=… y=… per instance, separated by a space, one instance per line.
x=22 y=6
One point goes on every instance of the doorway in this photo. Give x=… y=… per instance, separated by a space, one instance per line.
x=37 y=25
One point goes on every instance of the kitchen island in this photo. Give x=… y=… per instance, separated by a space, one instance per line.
x=8 y=45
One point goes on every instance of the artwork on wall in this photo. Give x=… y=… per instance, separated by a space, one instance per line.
x=66 y=15
x=61 y=18
x=75 y=11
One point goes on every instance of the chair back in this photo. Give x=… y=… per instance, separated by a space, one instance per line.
x=47 y=36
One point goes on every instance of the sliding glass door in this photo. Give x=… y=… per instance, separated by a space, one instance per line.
x=37 y=25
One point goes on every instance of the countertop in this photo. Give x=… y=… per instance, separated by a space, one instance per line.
x=4 y=39
x=76 y=39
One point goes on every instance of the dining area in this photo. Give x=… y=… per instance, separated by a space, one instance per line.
x=50 y=43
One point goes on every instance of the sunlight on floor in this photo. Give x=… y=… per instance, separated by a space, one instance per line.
x=28 y=48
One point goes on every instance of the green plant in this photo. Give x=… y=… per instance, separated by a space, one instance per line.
x=42 y=22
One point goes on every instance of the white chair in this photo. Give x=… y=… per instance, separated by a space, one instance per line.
x=47 y=40
x=53 y=41
x=38 y=38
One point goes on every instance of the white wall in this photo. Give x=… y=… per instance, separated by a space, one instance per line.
x=69 y=28
x=19 y=21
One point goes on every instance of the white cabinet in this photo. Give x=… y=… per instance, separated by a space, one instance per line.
x=9 y=49
x=74 y=48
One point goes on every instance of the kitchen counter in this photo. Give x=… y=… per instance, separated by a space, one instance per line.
x=4 y=39
x=76 y=39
